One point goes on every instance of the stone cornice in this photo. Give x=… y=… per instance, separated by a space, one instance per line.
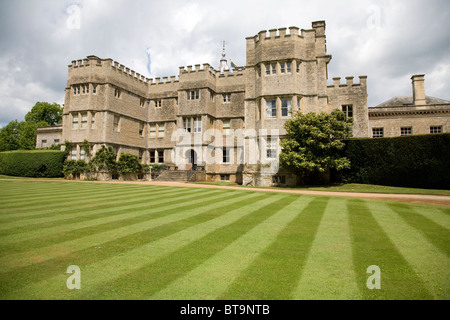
x=409 y=110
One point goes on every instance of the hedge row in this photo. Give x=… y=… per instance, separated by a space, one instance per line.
x=421 y=161
x=36 y=163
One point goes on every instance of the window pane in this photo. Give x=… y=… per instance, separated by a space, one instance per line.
x=161 y=130
x=377 y=132
x=286 y=108
x=271 y=108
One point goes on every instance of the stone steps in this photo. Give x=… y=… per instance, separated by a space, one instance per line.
x=174 y=175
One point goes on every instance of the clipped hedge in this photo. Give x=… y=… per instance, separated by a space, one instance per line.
x=421 y=161
x=36 y=163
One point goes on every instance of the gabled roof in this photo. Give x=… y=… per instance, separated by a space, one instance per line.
x=408 y=101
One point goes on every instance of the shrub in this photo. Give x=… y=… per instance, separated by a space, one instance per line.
x=129 y=163
x=421 y=161
x=74 y=167
x=36 y=163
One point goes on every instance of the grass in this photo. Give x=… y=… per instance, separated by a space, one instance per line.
x=351 y=187
x=151 y=242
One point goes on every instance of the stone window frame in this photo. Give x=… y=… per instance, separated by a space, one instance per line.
x=271 y=110
x=406 y=131
x=152 y=156
x=75 y=121
x=161 y=130
x=224 y=177
x=271 y=148
x=84 y=120
x=73 y=154
x=226 y=159
x=435 y=129
x=153 y=130
x=226 y=97
x=158 y=103
x=378 y=132
x=198 y=125
x=160 y=156
x=93 y=120
x=141 y=129
x=117 y=93
x=287 y=108
x=187 y=125
x=193 y=95
x=348 y=110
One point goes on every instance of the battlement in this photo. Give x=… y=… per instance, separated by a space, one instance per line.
x=94 y=61
x=349 y=82
x=318 y=30
x=207 y=68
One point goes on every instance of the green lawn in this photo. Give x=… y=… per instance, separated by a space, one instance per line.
x=350 y=187
x=150 y=242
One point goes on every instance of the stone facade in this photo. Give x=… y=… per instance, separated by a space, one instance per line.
x=48 y=136
x=416 y=114
x=230 y=119
x=226 y=122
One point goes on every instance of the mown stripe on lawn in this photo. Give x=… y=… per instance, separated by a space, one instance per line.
x=99 y=211
x=109 y=220
x=104 y=215
x=435 y=233
x=371 y=246
x=275 y=273
x=76 y=204
x=15 y=200
x=95 y=275
x=153 y=218
x=150 y=278
x=210 y=279
x=328 y=271
x=429 y=262
x=23 y=276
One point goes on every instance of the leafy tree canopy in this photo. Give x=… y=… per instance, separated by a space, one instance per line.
x=314 y=140
x=42 y=112
x=22 y=135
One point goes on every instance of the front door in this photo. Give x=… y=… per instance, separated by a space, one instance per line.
x=193 y=159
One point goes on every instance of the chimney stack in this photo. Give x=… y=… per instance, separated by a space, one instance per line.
x=418 y=82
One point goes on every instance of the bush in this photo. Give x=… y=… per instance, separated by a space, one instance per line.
x=421 y=161
x=129 y=163
x=36 y=164
x=74 y=167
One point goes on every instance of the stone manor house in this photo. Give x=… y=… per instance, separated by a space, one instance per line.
x=185 y=122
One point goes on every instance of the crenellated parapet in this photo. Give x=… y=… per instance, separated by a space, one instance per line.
x=93 y=70
x=349 y=82
x=287 y=43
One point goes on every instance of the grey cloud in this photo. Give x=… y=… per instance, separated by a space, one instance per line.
x=36 y=44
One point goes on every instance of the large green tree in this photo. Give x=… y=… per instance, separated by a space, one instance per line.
x=314 y=142
x=22 y=135
x=45 y=112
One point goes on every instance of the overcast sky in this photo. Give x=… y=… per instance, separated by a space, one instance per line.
x=387 y=40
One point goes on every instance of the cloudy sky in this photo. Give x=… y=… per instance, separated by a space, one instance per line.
x=387 y=40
